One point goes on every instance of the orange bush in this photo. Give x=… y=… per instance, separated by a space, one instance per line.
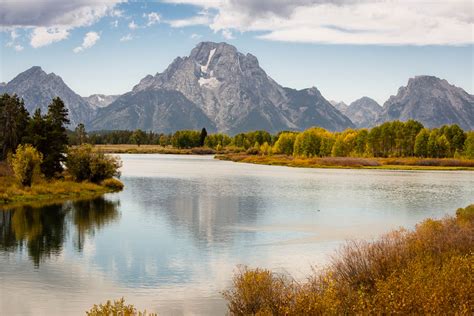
x=426 y=271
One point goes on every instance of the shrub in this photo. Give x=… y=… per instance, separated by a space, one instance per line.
x=85 y=164
x=26 y=164
x=116 y=308
x=113 y=184
x=425 y=271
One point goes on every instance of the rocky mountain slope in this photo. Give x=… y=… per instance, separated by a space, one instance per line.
x=432 y=101
x=363 y=112
x=237 y=95
x=37 y=88
x=157 y=110
x=97 y=101
x=339 y=105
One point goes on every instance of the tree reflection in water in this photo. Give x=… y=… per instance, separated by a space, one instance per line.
x=43 y=230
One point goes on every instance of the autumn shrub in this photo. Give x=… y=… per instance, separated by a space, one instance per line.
x=26 y=164
x=113 y=184
x=85 y=164
x=426 y=271
x=117 y=308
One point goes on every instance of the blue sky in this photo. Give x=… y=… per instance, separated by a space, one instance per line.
x=347 y=49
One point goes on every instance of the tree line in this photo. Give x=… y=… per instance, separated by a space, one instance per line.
x=390 y=139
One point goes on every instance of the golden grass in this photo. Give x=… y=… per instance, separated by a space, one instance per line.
x=426 y=271
x=48 y=192
x=354 y=162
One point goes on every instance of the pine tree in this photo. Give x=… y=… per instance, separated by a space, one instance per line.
x=13 y=123
x=202 y=137
x=56 y=135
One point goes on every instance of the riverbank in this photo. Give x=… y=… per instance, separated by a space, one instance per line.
x=354 y=163
x=50 y=191
x=152 y=149
x=424 y=271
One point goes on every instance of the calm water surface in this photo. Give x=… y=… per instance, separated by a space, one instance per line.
x=172 y=239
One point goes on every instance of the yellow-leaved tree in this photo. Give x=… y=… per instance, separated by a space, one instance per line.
x=26 y=164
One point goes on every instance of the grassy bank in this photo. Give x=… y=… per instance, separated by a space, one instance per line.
x=426 y=271
x=152 y=149
x=355 y=163
x=49 y=191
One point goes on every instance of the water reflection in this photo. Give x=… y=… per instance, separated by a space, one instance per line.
x=43 y=230
x=205 y=209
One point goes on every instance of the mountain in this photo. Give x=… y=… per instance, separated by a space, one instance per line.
x=37 y=88
x=96 y=101
x=236 y=94
x=156 y=110
x=363 y=112
x=432 y=101
x=339 y=105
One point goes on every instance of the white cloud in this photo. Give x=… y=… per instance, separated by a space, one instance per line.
x=51 y=21
x=42 y=36
x=126 y=38
x=114 y=23
x=53 y=13
x=201 y=19
x=227 y=34
x=153 y=18
x=18 y=48
x=132 y=25
x=117 y=13
x=379 y=22
x=195 y=36
x=89 y=40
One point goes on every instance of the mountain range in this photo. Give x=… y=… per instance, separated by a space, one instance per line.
x=224 y=90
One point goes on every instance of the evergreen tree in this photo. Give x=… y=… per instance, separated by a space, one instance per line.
x=56 y=136
x=202 y=137
x=13 y=123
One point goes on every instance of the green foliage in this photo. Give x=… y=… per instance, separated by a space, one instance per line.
x=425 y=271
x=138 y=137
x=79 y=136
x=186 y=139
x=469 y=145
x=13 y=123
x=247 y=140
x=285 y=143
x=215 y=140
x=55 y=138
x=85 y=164
x=421 y=143
x=26 y=164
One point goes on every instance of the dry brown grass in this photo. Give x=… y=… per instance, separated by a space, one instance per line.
x=353 y=162
x=426 y=271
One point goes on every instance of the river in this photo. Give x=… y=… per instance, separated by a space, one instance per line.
x=171 y=241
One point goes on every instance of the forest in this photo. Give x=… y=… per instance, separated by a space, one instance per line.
x=391 y=139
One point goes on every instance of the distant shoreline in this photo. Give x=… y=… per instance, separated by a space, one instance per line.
x=447 y=164
x=406 y=163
